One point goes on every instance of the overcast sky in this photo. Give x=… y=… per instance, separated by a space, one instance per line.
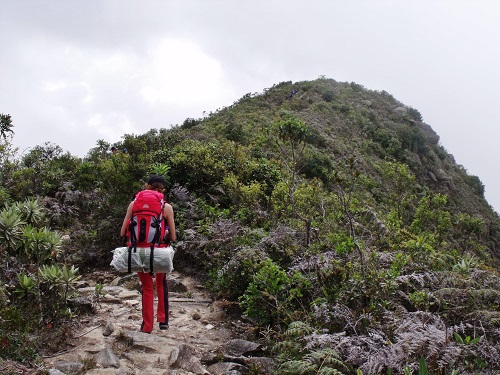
x=73 y=72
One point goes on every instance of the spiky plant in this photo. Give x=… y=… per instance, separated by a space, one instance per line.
x=11 y=224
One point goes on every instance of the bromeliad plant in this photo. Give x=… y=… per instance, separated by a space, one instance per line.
x=56 y=286
x=60 y=278
x=40 y=244
x=27 y=285
x=11 y=224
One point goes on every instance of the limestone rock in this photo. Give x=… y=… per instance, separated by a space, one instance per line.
x=83 y=305
x=176 y=286
x=266 y=365
x=429 y=133
x=432 y=176
x=127 y=294
x=54 y=371
x=122 y=279
x=107 y=358
x=225 y=368
x=184 y=356
x=108 y=329
x=69 y=368
x=238 y=348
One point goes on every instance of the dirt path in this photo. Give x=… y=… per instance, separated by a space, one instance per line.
x=109 y=342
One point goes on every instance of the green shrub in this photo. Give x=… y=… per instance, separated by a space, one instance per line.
x=233 y=279
x=476 y=184
x=272 y=296
x=189 y=123
x=328 y=96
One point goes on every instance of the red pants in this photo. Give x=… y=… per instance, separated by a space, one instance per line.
x=148 y=299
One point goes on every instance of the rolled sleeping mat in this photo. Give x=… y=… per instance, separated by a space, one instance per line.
x=140 y=259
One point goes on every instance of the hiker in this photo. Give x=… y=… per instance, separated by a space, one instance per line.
x=157 y=184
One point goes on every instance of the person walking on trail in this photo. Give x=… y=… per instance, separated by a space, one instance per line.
x=155 y=183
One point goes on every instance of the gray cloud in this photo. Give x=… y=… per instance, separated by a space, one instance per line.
x=74 y=72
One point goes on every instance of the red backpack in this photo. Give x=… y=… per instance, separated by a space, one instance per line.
x=147 y=226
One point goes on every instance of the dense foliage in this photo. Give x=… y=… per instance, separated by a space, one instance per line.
x=330 y=212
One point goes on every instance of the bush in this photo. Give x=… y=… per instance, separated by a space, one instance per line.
x=233 y=279
x=476 y=184
x=189 y=123
x=265 y=297
x=328 y=96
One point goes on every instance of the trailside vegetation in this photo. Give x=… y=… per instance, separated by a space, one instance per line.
x=329 y=213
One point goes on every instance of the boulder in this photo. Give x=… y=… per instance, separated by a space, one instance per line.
x=107 y=358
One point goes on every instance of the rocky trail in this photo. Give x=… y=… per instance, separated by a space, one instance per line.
x=201 y=339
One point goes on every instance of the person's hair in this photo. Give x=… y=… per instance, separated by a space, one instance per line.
x=157 y=186
x=157 y=183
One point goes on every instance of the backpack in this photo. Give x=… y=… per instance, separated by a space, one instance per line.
x=147 y=227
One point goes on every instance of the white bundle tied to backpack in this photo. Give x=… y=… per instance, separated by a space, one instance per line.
x=140 y=259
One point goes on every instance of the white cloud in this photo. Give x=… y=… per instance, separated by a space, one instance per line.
x=179 y=72
x=74 y=72
x=111 y=125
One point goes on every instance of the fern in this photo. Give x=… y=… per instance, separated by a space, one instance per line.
x=287 y=348
x=314 y=359
x=296 y=368
x=324 y=361
x=326 y=357
x=329 y=371
x=298 y=329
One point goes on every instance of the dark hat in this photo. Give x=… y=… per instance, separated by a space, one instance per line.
x=156 y=179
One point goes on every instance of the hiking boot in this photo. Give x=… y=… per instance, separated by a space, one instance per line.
x=163 y=326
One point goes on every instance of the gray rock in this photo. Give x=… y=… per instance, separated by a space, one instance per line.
x=176 y=286
x=69 y=368
x=183 y=356
x=432 y=176
x=224 y=368
x=108 y=329
x=128 y=294
x=122 y=279
x=429 y=133
x=238 y=348
x=83 y=305
x=107 y=358
x=137 y=337
x=54 y=371
x=180 y=354
x=266 y=365
x=112 y=300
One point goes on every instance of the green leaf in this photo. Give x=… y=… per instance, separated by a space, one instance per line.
x=422 y=370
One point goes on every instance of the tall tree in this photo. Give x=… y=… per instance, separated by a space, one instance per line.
x=5 y=125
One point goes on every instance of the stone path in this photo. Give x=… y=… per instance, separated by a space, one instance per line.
x=201 y=338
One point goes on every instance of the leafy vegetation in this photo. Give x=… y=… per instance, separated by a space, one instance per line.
x=328 y=211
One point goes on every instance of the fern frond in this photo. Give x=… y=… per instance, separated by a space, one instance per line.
x=298 y=329
x=287 y=348
x=296 y=368
x=329 y=371
x=326 y=357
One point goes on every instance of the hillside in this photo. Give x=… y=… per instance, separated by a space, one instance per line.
x=328 y=214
